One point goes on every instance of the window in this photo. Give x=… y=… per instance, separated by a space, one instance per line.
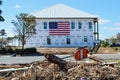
x=79 y=25
x=85 y=39
x=48 y=41
x=67 y=40
x=45 y=25
x=72 y=25
x=90 y=25
x=40 y=36
x=37 y=39
x=31 y=43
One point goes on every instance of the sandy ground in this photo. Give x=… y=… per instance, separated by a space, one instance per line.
x=73 y=50
x=108 y=50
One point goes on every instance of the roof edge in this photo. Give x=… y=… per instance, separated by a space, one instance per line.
x=66 y=18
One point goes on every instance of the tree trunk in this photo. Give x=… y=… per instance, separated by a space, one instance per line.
x=23 y=38
x=23 y=43
x=22 y=46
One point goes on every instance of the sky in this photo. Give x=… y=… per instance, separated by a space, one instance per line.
x=107 y=10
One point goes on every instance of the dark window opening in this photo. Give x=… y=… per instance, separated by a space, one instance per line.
x=48 y=41
x=45 y=25
x=79 y=25
x=85 y=39
x=90 y=25
x=72 y=25
x=68 y=41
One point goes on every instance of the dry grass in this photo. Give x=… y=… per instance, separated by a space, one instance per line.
x=108 y=50
x=56 y=50
x=72 y=50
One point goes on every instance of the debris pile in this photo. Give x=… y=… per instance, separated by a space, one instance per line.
x=50 y=70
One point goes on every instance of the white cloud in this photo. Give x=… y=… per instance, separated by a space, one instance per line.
x=103 y=21
x=10 y=33
x=117 y=24
x=17 y=6
x=111 y=28
x=108 y=31
x=115 y=29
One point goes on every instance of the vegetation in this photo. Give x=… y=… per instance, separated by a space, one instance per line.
x=2 y=32
x=2 y=41
x=28 y=51
x=104 y=43
x=1 y=18
x=9 y=50
x=24 y=27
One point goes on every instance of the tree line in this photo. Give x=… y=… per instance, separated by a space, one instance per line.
x=24 y=29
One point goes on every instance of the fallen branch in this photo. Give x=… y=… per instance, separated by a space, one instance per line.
x=13 y=69
x=56 y=60
x=95 y=58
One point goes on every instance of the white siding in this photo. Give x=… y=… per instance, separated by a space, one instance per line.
x=76 y=35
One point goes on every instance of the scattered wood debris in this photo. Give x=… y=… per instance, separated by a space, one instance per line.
x=49 y=70
x=56 y=60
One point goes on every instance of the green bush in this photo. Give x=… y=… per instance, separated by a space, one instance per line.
x=3 y=51
x=28 y=51
x=9 y=49
x=104 y=44
x=18 y=51
x=116 y=48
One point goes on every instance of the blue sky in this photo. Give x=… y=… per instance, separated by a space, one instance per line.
x=107 y=10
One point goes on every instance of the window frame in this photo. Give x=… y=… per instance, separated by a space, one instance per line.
x=45 y=25
x=48 y=41
x=72 y=25
x=85 y=39
x=68 y=41
x=79 y=25
x=90 y=25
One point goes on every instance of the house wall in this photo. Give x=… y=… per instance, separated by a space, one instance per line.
x=76 y=35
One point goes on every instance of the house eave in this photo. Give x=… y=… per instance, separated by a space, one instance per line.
x=95 y=18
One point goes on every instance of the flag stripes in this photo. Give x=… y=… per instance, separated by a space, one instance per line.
x=59 y=28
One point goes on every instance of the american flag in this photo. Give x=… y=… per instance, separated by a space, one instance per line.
x=59 y=28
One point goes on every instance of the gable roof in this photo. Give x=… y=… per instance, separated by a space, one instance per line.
x=62 y=11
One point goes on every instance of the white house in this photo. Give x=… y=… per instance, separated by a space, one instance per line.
x=114 y=40
x=64 y=26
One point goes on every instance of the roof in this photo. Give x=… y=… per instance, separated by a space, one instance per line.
x=62 y=11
